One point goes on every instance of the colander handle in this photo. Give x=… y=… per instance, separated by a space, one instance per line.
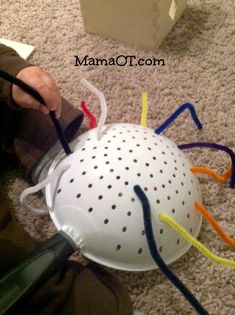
x=34 y=270
x=32 y=190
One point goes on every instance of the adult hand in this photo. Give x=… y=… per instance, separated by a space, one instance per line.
x=46 y=87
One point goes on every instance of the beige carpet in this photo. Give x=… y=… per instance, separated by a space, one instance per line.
x=200 y=67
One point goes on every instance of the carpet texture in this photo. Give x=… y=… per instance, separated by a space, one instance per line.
x=199 y=68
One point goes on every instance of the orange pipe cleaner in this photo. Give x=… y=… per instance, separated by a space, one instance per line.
x=220 y=178
x=208 y=216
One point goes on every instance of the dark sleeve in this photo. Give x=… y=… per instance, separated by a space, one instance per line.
x=28 y=134
x=12 y=63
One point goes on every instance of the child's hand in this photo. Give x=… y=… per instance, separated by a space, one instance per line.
x=46 y=87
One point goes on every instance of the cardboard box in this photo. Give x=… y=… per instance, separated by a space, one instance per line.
x=144 y=23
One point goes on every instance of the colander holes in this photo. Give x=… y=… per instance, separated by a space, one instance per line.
x=78 y=196
x=120 y=132
x=169 y=181
x=119 y=159
x=106 y=221
x=132 y=199
x=106 y=154
x=123 y=141
x=149 y=149
x=174 y=175
x=118 y=247
x=145 y=138
x=177 y=192
x=124 y=229
x=126 y=183
x=165 y=162
x=120 y=194
x=111 y=170
x=93 y=157
x=94 y=148
x=127 y=168
x=183 y=203
x=135 y=161
x=173 y=211
x=184 y=174
x=161 y=231
x=182 y=184
x=168 y=198
x=101 y=177
x=83 y=173
x=175 y=161
x=163 y=153
x=59 y=191
x=90 y=209
x=114 y=207
x=82 y=160
x=71 y=180
x=129 y=213
x=160 y=249
x=140 y=251
x=133 y=137
x=143 y=233
x=147 y=164
x=145 y=188
x=154 y=158
x=114 y=136
x=163 y=186
x=157 y=201
x=118 y=177
x=188 y=215
x=161 y=171
x=189 y=192
x=151 y=175
x=90 y=185
x=138 y=145
x=138 y=174
x=109 y=186
x=118 y=149
x=107 y=162
x=106 y=148
x=155 y=188
x=95 y=167
x=109 y=141
x=131 y=151
x=83 y=149
x=191 y=230
x=178 y=241
x=100 y=197
x=176 y=168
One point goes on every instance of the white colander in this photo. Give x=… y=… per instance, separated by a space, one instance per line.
x=95 y=195
x=93 y=201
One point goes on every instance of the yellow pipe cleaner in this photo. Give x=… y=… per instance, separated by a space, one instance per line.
x=220 y=178
x=194 y=242
x=144 y=109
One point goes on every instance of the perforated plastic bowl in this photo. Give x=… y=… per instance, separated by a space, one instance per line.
x=94 y=201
